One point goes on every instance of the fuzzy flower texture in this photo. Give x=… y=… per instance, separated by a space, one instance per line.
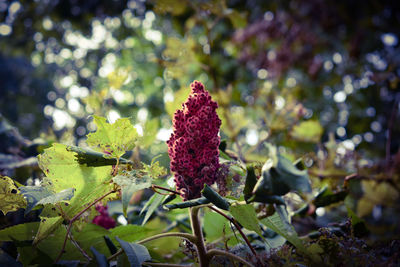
x=193 y=145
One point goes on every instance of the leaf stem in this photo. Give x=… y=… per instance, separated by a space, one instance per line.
x=217 y=252
x=232 y=220
x=77 y=217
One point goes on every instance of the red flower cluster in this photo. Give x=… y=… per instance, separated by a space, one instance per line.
x=193 y=146
x=103 y=219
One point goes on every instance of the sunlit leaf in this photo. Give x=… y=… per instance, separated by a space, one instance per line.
x=154 y=169
x=47 y=226
x=10 y=199
x=63 y=171
x=95 y=159
x=113 y=139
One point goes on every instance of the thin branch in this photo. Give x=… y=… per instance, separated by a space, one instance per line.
x=163 y=188
x=232 y=220
x=79 y=248
x=187 y=236
x=77 y=217
x=216 y=252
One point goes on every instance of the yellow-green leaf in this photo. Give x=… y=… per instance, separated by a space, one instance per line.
x=10 y=199
x=63 y=171
x=308 y=131
x=47 y=225
x=113 y=139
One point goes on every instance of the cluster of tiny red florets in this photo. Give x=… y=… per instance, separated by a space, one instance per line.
x=103 y=219
x=193 y=145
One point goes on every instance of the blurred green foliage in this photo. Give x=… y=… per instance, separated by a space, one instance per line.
x=317 y=80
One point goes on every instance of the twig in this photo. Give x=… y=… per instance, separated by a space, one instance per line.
x=187 y=236
x=232 y=220
x=153 y=187
x=216 y=252
x=163 y=188
x=80 y=248
x=77 y=217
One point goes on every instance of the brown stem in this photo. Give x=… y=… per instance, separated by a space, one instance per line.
x=77 y=217
x=214 y=252
x=163 y=188
x=232 y=220
x=199 y=242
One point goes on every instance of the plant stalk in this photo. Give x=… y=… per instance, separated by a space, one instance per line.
x=204 y=260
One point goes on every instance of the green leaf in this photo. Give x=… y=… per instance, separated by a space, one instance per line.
x=131 y=232
x=154 y=169
x=95 y=159
x=19 y=232
x=113 y=139
x=189 y=203
x=326 y=197
x=246 y=216
x=53 y=244
x=46 y=227
x=280 y=179
x=100 y=258
x=251 y=181
x=63 y=195
x=10 y=200
x=137 y=254
x=215 y=225
x=130 y=183
x=91 y=235
x=215 y=198
x=63 y=171
x=154 y=201
x=308 y=131
x=33 y=194
x=279 y=223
